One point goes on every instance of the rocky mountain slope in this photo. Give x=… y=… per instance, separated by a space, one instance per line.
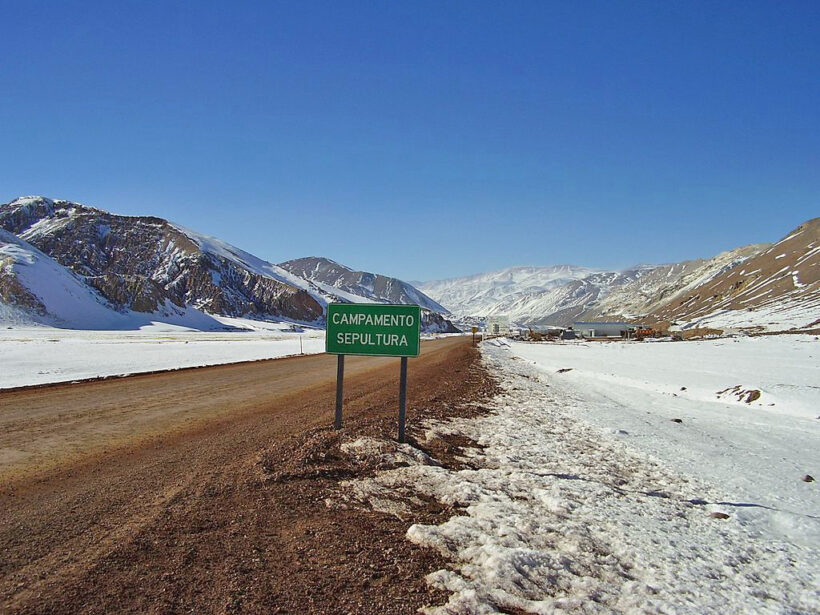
x=663 y=284
x=332 y=277
x=144 y=263
x=147 y=265
x=777 y=288
x=532 y=296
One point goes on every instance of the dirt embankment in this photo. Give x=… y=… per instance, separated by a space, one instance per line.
x=222 y=511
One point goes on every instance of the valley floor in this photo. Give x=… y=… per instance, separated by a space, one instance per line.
x=595 y=478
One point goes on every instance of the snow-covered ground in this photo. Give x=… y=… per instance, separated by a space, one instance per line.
x=588 y=498
x=31 y=355
x=755 y=451
x=38 y=355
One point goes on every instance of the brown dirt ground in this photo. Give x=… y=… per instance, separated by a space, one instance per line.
x=221 y=509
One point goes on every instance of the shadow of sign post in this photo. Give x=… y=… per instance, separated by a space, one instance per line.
x=373 y=329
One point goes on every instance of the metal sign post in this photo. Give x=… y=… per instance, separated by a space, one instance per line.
x=402 y=397
x=383 y=330
x=340 y=378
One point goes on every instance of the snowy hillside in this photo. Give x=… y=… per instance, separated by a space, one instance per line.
x=777 y=289
x=767 y=287
x=34 y=289
x=533 y=295
x=143 y=264
x=664 y=284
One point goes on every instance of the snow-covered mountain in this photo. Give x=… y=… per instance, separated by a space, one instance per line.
x=564 y=304
x=34 y=288
x=66 y=264
x=146 y=265
x=342 y=283
x=491 y=293
x=143 y=263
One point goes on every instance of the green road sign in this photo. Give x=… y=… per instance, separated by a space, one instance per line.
x=373 y=329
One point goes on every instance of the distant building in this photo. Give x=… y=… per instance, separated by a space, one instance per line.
x=605 y=329
x=498 y=325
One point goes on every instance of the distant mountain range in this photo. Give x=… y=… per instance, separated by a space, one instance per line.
x=756 y=287
x=496 y=292
x=64 y=264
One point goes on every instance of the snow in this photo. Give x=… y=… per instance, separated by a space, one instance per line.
x=70 y=302
x=556 y=295
x=343 y=295
x=792 y=236
x=784 y=368
x=24 y=201
x=45 y=355
x=587 y=498
x=755 y=451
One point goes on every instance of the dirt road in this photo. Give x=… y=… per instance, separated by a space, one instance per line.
x=204 y=490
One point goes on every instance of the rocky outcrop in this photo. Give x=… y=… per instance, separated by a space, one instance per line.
x=431 y=322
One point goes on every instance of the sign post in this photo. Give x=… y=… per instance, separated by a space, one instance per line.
x=402 y=397
x=372 y=329
x=340 y=378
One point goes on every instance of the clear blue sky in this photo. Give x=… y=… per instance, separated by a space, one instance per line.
x=424 y=140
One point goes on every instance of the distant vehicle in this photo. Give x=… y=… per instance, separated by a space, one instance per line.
x=569 y=334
